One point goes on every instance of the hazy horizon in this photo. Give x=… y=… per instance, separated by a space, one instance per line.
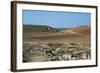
x=55 y=27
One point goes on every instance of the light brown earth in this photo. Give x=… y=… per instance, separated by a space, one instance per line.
x=77 y=34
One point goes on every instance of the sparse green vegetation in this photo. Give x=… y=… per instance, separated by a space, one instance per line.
x=58 y=53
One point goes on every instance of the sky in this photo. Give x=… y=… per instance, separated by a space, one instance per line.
x=55 y=19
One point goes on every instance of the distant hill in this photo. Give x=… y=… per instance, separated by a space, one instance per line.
x=41 y=28
x=84 y=29
x=37 y=28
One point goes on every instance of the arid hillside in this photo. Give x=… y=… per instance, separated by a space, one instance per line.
x=47 y=33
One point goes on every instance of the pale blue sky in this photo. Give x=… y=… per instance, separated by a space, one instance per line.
x=56 y=19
